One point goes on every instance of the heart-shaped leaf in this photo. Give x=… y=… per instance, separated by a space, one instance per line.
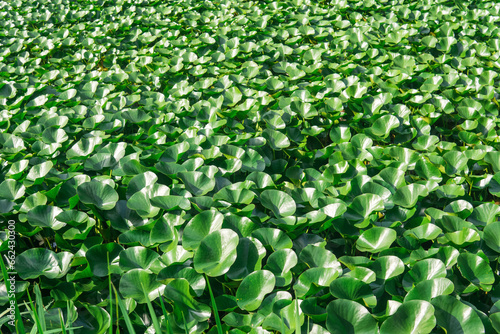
x=376 y=239
x=353 y=289
x=426 y=290
x=102 y=195
x=140 y=285
x=491 y=236
x=254 y=288
x=36 y=262
x=216 y=253
x=99 y=255
x=455 y=317
x=197 y=183
x=45 y=216
x=279 y=202
x=348 y=317
x=199 y=227
x=475 y=269
x=412 y=316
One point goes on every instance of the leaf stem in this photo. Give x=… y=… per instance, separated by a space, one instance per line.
x=214 y=306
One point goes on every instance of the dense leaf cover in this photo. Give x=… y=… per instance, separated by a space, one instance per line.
x=271 y=166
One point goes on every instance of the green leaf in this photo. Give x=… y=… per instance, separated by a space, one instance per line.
x=424 y=232
x=12 y=190
x=407 y=196
x=425 y=270
x=455 y=162
x=45 y=216
x=383 y=126
x=315 y=279
x=254 y=288
x=7 y=91
x=96 y=193
x=363 y=206
x=137 y=258
x=427 y=170
x=411 y=317
x=376 y=239
x=250 y=253
x=38 y=172
x=491 y=236
x=475 y=269
x=276 y=139
x=36 y=262
x=197 y=183
x=199 y=227
x=279 y=202
x=317 y=256
x=171 y=202
x=348 y=317
x=235 y=195
x=186 y=309
x=363 y=274
x=97 y=257
x=455 y=317
x=232 y=96
x=305 y=110
x=334 y=210
x=429 y=289
x=494 y=186
x=353 y=289
x=216 y=253
x=140 y=285
x=273 y=238
x=280 y=263
x=386 y=267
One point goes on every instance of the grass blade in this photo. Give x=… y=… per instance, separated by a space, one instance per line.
x=40 y=308
x=34 y=314
x=110 y=329
x=34 y=328
x=214 y=306
x=69 y=322
x=165 y=314
x=126 y=317
x=185 y=324
x=156 y=324
x=62 y=322
x=297 y=317
x=53 y=331
x=283 y=327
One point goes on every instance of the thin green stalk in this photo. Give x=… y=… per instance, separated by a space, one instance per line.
x=69 y=322
x=111 y=302
x=4 y=313
x=57 y=331
x=156 y=324
x=99 y=222
x=283 y=328
x=126 y=317
x=110 y=329
x=165 y=314
x=185 y=324
x=63 y=328
x=48 y=243
x=40 y=308
x=34 y=314
x=214 y=306
x=297 y=317
x=117 y=318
